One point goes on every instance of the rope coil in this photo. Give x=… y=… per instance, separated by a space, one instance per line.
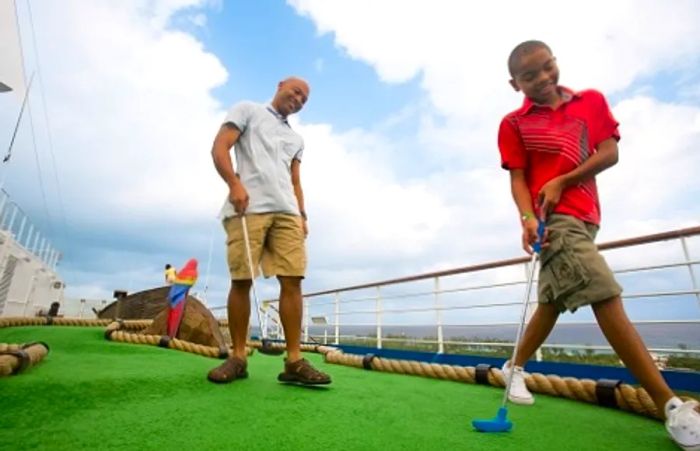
x=16 y=358
x=115 y=331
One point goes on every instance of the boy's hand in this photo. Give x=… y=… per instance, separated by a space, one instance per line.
x=530 y=237
x=549 y=196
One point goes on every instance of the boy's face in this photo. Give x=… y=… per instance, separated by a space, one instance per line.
x=536 y=74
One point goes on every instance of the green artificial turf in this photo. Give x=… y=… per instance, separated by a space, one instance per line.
x=90 y=393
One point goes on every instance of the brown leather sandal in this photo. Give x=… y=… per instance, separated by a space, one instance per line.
x=233 y=368
x=302 y=372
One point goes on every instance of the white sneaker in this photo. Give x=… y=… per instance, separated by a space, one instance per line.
x=683 y=423
x=519 y=394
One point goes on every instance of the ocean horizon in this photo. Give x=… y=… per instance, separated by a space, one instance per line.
x=654 y=335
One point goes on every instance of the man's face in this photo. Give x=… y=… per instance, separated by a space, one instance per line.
x=536 y=74
x=291 y=96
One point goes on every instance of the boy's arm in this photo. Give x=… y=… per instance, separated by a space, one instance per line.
x=606 y=155
x=523 y=200
x=298 y=191
x=225 y=139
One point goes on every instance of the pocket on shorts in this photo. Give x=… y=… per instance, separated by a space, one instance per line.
x=562 y=273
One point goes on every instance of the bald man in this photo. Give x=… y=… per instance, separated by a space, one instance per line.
x=266 y=190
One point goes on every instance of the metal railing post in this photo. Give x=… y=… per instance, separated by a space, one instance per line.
x=3 y=201
x=279 y=330
x=54 y=261
x=438 y=317
x=693 y=280
x=379 y=318
x=12 y=218
x=42 y=246
x=337 y=318
x=28 y=239
x=44 y=255
x=21 y=229
x=306 y=320
x=36 y=243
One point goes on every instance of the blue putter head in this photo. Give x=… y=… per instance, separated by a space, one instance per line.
x=498 y=424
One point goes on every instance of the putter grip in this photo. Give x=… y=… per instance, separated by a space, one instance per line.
x=537 y=247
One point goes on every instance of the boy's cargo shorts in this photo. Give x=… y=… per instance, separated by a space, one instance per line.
x=572 y=271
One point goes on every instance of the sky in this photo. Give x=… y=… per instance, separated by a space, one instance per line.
x=401 y=169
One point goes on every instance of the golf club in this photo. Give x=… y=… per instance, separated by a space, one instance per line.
x=500 y=422
x=266 y=347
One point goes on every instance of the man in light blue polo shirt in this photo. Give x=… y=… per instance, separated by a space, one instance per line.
x=266 y=189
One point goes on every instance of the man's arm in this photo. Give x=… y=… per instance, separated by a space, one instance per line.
x=298 y=191
x=225 y=139
x=605 y=157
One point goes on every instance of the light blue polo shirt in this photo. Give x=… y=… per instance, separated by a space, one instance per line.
x=263 y=154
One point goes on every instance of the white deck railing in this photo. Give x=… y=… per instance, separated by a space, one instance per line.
x=21 y=228
x=655 y=270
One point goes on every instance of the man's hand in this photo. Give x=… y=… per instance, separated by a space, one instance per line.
x=238 y=196
x=305 y=227
x=549 y=196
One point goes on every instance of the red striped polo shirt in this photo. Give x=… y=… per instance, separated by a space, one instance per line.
x=547 y=143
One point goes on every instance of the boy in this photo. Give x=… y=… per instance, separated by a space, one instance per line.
x=553 y=146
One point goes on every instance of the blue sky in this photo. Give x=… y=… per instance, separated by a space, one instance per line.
x=259 y=42
x=401 y=169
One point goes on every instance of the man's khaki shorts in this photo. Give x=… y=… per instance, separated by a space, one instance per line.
x=277 y=244
x=572 y=272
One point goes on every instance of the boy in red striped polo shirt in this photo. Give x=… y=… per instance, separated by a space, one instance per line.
x=553 y=146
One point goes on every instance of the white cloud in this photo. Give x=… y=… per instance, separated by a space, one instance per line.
x=351 y=190
x=131 y=108
x=199 y=20
x=459 y=51
x=654 y=186
x=133 y=119
x=691 y=92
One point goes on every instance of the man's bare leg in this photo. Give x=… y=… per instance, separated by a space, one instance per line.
x=239 y=315
x=291 y=314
